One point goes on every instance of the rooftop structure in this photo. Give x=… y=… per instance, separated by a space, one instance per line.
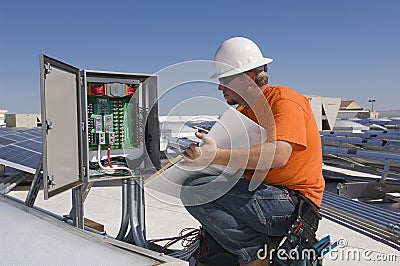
x=350 y=105
x=325 y=111
x=2 y=118
x=22 y=120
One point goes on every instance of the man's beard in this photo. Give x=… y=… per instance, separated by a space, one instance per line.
x=231 y=102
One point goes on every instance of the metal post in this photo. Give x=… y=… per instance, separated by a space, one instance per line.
x=86 y=187
x=385 y=171
x=372 y=103
x=77 y=207
x=141 y=204
x=36 y=183
x=2 y=169
x=382 y=181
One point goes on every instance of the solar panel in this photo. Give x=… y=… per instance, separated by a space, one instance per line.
x=30 y=135
x=5 y=130
x=15 y=137
x=33 y=161
x=16 y=154
x=6 y=141
x=33 y=145
x=21 y=148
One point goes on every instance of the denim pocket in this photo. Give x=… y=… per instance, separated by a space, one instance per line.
x=279 y=225
x=275 y=215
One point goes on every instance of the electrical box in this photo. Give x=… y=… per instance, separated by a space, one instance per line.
x=97 y=125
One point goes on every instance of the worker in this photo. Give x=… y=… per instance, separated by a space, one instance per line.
x=242 y=220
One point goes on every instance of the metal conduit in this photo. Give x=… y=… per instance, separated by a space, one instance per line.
x=389 y=228
x=129 y=237
x=135 y=227
x=360 y=209
x=124 y=219
x=365 y=135
x=384 y=143
x=358 y=213
x=364 y=154
x=359 y=216
x=7 y=187
x=141 y=204
x=385 y=233
x=364 y=228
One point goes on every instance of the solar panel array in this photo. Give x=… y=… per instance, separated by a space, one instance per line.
x=21 y=148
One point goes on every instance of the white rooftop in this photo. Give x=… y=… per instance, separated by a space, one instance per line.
x=103 y=205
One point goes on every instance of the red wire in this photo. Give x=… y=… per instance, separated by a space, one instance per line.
x=297 y=228
x=109 y=155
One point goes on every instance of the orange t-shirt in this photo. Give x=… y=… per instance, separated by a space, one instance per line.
x=295 y=123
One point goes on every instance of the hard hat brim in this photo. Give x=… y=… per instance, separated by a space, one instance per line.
x=242 y=69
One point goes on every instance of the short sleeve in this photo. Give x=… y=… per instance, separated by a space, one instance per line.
x=290 y=122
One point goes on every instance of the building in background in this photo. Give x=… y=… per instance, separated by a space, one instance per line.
x=2 y=118
x=325 y=111
x=350 y=105
x=351 y=109
x=22 y=120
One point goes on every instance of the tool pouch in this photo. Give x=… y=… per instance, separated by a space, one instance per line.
x=300 y=246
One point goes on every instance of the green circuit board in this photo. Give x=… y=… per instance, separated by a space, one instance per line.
x=116 y=118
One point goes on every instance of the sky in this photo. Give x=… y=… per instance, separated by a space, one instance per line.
x=338 y=48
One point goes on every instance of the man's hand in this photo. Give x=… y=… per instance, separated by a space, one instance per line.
x=200 y=156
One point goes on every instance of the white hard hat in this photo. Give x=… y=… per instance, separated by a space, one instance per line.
x=237 y=55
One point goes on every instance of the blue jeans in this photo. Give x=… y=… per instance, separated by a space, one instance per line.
x=241 y=221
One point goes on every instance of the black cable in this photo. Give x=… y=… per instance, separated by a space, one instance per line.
x=115 y=161
x=187 y=239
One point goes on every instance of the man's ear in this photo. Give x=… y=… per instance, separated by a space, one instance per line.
x=252 y=76
x=251 y=79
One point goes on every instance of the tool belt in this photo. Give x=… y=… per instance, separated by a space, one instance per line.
x=306 y=210
x=301 y=238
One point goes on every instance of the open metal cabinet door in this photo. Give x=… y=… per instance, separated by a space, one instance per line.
x=61 y=126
